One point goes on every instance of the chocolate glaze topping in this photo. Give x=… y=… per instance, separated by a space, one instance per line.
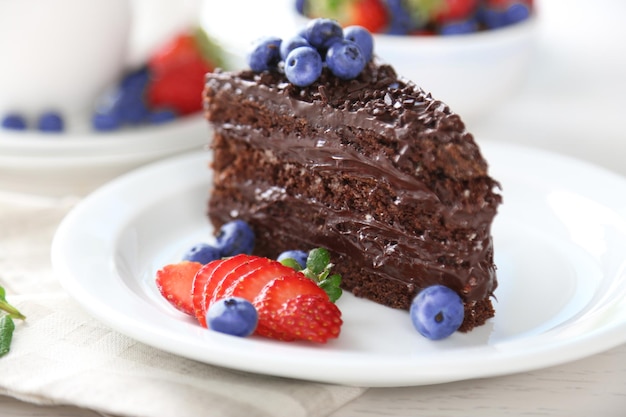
x=374 y=169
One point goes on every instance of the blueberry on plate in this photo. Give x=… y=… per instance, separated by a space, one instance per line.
x=235 y=237
x=437 y=312
x=233 y=315
x=202 y=253
x=299 y=256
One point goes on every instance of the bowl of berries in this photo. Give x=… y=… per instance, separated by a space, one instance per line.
x=471 y=54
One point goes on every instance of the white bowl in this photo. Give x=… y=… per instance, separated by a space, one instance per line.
x=472 y=73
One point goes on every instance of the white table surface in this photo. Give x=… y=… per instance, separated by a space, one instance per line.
x=573 y=103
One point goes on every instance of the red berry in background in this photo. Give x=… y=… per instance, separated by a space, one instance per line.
x=178 y=69
x=503 y=4
x=452 y=10
x=371 y=14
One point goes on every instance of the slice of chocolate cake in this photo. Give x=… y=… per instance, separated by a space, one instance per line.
x=373 y=169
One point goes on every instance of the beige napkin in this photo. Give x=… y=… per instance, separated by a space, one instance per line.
x=60 y=355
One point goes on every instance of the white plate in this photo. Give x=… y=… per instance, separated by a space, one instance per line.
x=77 y=163
x=560 y=240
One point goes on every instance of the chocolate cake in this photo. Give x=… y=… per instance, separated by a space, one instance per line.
x=374 y=169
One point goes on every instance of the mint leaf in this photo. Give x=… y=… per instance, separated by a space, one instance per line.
x=6 y=334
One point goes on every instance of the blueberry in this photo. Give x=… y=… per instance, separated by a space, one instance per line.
x=106 y=121
x=400 y=21
x=303 y=66
x=161 y=116
x=131 y=104
x=459 y=28
x=437 y=312
x=202 y=253
x=322 y=33
x=234 y=315
x=291 y=44
x=362 y=37
x=235 y=237
x=492 y=18
x=345 y=59
x=50 y=122
x=14 y=121
x=516 y=13
x=265 y=54
x=123 y=104
x=300 y=5
x=299 y=256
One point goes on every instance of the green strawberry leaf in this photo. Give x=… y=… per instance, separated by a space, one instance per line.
x=291 y=263
x=318 y=260
x=318 y=267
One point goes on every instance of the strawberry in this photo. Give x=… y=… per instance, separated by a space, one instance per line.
x=174 y=281
x=290 y=305
x=178 y=69
x=371 y=14
x=294 y=307
x=203 y=282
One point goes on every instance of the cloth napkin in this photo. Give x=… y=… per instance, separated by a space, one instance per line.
x=60 y=355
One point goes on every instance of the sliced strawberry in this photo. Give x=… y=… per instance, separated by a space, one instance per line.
x=279 y=316
x=310 y=317
x=290 y=305
x=197 y=289
x=371 y=14
x=207 y=279
x=175 y=281
x=239 y=272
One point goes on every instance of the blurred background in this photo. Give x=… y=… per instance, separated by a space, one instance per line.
x=98 y=90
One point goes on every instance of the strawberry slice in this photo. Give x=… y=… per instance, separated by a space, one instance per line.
x=174 y=282
x=279 y=310
x=291 y=305
x=310 y=317
x=252 y=284
x=239 y=272
x=207 y=279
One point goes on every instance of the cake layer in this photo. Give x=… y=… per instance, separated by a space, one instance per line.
x=373 y=169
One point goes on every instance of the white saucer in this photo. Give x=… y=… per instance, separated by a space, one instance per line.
x=560 y=240
x=78 y=163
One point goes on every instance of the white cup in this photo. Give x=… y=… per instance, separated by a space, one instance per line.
x=60 y=55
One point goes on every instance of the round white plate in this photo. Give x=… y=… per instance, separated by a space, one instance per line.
x=560 y=240
x=78 y=163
